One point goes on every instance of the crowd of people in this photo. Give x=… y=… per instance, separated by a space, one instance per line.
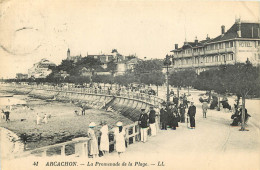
x=149 y=122
x=179 y=110
x=173 y=113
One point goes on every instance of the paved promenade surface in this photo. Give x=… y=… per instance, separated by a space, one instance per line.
x=214 y=144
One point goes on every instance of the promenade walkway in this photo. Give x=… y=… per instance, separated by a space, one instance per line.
x=212 y=145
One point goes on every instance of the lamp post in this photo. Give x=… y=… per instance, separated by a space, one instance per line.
x=167 y=63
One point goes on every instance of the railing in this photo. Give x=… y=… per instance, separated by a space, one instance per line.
x=132 y=135
x=79 y=146
x=155 y=100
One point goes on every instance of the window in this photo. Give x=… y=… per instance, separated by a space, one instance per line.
x=231 y=43
x=220 y=45
x=228 y=57
x=227 y=44
x=231 y=57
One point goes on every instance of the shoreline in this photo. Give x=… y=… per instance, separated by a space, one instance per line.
x=58 y=129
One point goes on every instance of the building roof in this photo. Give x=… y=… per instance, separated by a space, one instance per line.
x=44 y=63
x=248 y=30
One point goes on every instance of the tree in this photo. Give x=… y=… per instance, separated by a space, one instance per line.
x=148 y=66
x=112 y=66
x=102 y=78
x=183 y=78
x=154 y=77
x=243 y=80
x=125 y=79
x=190 y=77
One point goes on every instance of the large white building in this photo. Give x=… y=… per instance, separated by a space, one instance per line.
x=236 y=45
x=40 y=69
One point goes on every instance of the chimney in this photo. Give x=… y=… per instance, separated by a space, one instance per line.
x=196 y=40
x=176 y=46
x=238 y=22
x=223 y=29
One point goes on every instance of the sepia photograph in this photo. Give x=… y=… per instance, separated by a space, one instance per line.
x=129 y=84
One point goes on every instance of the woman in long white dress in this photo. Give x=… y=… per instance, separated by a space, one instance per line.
x=104 y=142
x=120 y=138
x=93 y=144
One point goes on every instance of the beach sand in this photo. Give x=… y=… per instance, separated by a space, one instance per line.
x=63 y=124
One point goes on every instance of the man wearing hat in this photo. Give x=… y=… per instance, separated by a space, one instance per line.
x=143 y=121
x=192 y=113
x=152 y=121
x=163 y=116
x=182 y=108
x=175 y=100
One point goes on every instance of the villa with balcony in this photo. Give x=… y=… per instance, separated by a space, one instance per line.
x=240 y=43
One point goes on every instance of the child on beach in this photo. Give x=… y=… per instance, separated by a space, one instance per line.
x=38 y=119
x=93 y=144
x=6 y=115
x=76 y=113
x=45 y=119
x=3 y=114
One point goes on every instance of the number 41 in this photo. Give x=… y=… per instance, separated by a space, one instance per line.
x=35 y=163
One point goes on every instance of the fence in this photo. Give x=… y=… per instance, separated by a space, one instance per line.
x=154 y=100
x=78 y=147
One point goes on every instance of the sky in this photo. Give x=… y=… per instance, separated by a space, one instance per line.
x=34 y=29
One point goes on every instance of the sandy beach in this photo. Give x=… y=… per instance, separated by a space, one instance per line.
x=63 y=124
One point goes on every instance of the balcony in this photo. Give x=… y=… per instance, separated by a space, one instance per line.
x=222 y=50
x=212 y=52
x=198 y=53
